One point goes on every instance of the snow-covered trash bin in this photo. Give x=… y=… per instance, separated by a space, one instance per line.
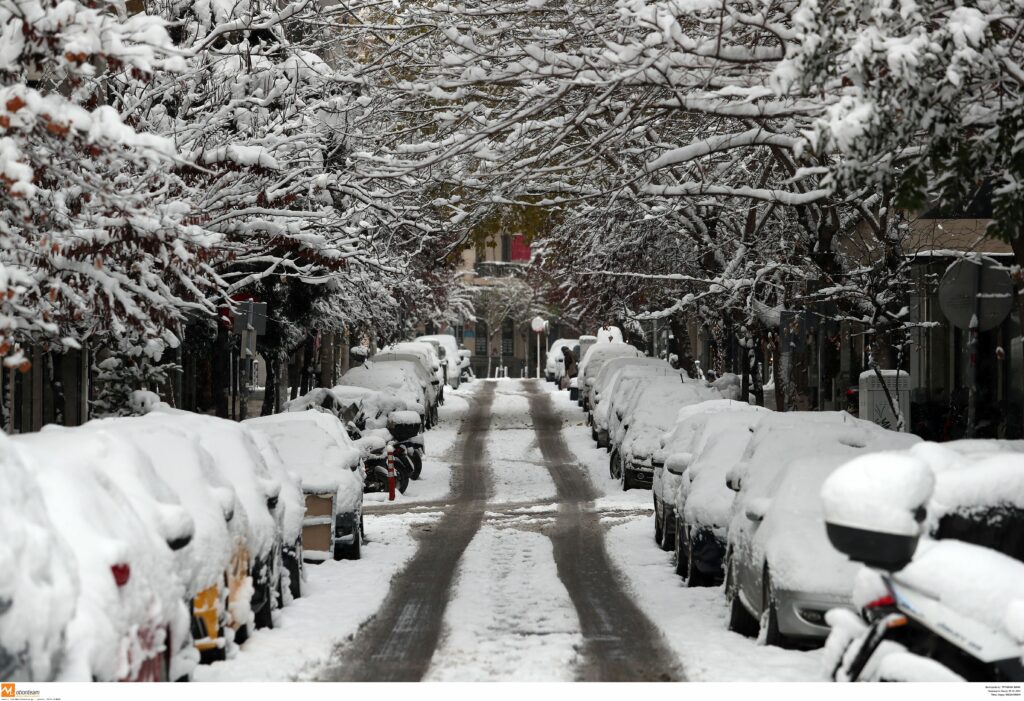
x=404 y=425
x=39 y=584
x=131 y=622
x=315 y=447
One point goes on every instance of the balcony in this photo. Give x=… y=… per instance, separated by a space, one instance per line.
x=494 y=268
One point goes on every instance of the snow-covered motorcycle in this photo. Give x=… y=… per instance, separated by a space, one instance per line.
x=934 y=610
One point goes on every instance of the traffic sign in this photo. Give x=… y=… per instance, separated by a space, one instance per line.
x=976 y=286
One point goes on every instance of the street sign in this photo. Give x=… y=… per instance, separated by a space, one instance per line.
x=976 y=286
x=538 y=324
x=250 y=314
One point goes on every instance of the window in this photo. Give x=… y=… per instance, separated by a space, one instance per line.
x=507 y=337
x=481 y=338
x=460 y=332
x=506 y=248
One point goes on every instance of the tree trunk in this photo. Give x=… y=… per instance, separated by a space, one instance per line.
x=220 y=371
x=270 y=387
x=681 y=341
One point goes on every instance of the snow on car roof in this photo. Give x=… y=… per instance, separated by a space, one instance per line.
x=314 y=446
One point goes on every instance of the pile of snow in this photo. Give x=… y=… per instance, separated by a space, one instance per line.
x=609 y=334
x=39 y=584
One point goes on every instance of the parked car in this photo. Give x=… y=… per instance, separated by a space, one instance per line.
x=679 y=445
x=427 y=357
x=697 y=503
x=39 y=584
x=638 y=452
x=237 y=458
x=131 y=621
x=554 y=365
x=612 y=376
x=945 y=607
x=290 y=512
x=597 y=356
x=316 y=447
x=394 y=379
x=216 y=574
x=450 y=357
x=780 y=568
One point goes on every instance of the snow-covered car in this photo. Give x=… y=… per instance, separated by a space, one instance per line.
x=451 y=358
x=242 y=465
x=697 y=503
x=366 y=408
x=216 y=571
x=611 y=377
x=290 y=511
x=393 y=379
x=131 y=620
x=316 y=447
x=679 y=444
x=414 y=365
x=637 y=451
x=427 y=356
x=39 y=584
x=597 y=356
x=780 y=567
x=554 y=365
x=958 y=594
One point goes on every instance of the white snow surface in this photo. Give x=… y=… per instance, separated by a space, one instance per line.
x=510 y=617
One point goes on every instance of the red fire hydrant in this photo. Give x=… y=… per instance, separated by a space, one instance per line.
x=391 y=472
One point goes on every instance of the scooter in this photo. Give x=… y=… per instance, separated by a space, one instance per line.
x=374 y=445
x=913 y=625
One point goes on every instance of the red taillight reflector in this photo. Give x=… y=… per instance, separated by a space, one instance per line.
x=121 y=573
x=886 y=600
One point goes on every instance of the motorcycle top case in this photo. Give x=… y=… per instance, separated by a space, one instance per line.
x=887 y=551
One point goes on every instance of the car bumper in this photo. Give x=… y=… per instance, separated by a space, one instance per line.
x=640 y=476
x=802 y=614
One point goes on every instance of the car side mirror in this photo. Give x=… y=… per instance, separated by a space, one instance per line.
x=678 y=462
x=755 y=509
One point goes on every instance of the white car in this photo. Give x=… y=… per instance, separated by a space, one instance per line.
x=598 y=355
x=131 y=619
x=782 y=573
x=611 y=375
x=315 y=446
x=452 y=359
x=394 y=379
x=39 y=584
x=554 y=365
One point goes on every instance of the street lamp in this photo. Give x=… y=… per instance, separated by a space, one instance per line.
x=538 y=325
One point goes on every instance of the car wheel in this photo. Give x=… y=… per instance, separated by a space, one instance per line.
x=740 y=620
x=668 y=530
x=627 y=483
x=680 y=551
x=770 y=617
x=593 y=433
x=417 y=465
x=264 y=618
x=659 y=527
x=694 y=578
x=349 y=551
x=611 y=466
x=294 y=566
x=242 y=634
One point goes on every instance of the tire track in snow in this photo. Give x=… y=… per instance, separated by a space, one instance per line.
x=398 y=644
x=621 y=642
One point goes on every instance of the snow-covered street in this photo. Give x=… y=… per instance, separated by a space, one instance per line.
x=531 y=564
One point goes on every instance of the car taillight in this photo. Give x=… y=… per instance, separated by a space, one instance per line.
x=882 y=602
x=121 y=573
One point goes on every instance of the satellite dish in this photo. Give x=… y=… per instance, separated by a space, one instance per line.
x=976 y=286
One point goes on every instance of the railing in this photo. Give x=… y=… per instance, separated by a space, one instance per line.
x=494 y=268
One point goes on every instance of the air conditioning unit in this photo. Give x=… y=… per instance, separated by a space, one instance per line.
x=874 y=406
